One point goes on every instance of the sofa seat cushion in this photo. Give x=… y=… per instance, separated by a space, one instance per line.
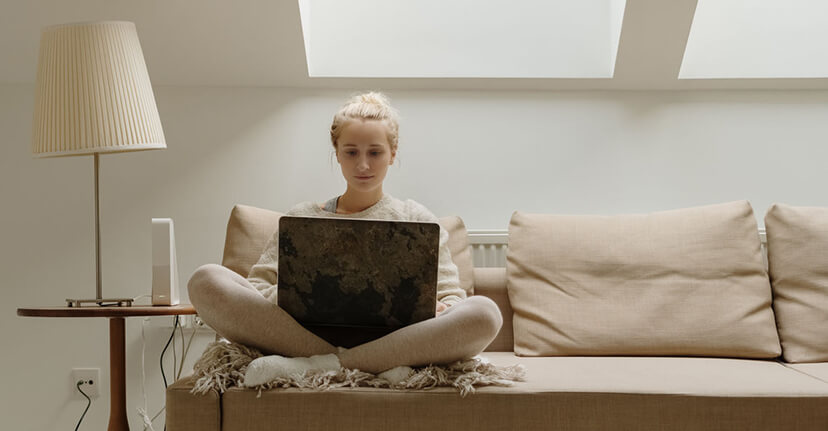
x=576 y=393
x=717 y=377
x=185 y=411
x=817 y=370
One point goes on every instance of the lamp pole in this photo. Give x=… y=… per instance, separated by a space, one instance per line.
x=98 y=290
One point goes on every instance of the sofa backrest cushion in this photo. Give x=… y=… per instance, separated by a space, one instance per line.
x=681 y=282
x=248 y=231
x=798 y=266
x=250 y=228
x=460 y=248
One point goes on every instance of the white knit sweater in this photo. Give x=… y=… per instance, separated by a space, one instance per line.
x=263 y=274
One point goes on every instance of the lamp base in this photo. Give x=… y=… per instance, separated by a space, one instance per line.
x=118 y=302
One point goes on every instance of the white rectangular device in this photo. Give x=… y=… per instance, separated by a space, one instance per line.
x=164 y=266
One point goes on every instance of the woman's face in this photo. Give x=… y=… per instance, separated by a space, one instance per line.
x=364 y=154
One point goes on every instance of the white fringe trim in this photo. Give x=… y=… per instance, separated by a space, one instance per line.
x=224 y=363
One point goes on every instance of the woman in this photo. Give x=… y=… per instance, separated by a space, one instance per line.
x=364 y=135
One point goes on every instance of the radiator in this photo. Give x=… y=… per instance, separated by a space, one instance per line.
x=489 y=247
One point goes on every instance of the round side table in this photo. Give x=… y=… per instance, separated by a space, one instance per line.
x=117 y=344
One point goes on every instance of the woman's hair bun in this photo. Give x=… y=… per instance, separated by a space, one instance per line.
x=372 y=105
x=375 y=98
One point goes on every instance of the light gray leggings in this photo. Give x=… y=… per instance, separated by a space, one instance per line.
x=231 y=305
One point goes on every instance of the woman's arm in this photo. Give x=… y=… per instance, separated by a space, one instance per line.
x=263 y=275
x=449 y=291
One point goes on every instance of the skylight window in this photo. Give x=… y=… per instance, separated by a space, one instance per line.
x=461 y=38
x=757 y=39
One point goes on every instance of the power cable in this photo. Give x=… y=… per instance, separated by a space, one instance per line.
x=89 y=403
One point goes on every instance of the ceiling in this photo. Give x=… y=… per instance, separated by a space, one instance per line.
x=259 y=43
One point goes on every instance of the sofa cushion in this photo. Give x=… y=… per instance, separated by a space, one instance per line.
x=186 y=411
x=817 y=370
x=573 y=393
x=798 y=267
x=681 y=282
x=249 y=229
x=699 y=376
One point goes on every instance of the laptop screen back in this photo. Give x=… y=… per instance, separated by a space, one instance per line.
x=357 y=272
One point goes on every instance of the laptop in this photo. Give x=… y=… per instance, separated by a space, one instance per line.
x=377 y=275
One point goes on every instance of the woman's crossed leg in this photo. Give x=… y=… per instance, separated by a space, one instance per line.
x=229 y=304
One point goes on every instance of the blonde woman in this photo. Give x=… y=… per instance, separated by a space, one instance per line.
x=364 y=135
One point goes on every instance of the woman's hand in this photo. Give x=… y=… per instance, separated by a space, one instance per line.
x=441 y=308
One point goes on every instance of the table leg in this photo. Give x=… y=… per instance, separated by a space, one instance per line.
x=117 y=375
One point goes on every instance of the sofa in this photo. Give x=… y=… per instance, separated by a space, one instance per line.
x=672 y=320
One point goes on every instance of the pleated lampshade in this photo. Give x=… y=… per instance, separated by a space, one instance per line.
x=93 y=92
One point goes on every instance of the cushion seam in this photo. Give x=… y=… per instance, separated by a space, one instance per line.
x=786 y=365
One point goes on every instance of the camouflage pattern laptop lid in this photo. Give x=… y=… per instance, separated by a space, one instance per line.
x=357 y=272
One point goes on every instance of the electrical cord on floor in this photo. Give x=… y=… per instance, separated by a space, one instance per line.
x=176 y=325
x=89 y=403
x=180 y=364
x=164 y=376
x=186 y=350
x=142 y=411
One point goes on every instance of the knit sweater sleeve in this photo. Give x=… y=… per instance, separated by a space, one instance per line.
x=263 y=275
x=449 y=291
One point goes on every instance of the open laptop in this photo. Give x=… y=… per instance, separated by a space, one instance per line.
x=377 y=275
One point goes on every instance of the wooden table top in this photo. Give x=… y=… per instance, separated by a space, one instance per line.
x=107 y=311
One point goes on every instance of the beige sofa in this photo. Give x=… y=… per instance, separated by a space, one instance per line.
x=663 y=321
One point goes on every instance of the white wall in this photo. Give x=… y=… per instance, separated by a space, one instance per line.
x=481 y=155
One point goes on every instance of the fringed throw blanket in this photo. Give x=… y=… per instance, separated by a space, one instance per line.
x=223 y=364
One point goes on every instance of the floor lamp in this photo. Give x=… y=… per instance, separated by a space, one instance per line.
x=93 y=96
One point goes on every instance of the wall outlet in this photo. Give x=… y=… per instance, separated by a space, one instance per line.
x=200 y=324
x=194 y=322
x=91 y=378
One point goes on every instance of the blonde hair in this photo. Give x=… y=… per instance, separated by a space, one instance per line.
x=368 y=106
